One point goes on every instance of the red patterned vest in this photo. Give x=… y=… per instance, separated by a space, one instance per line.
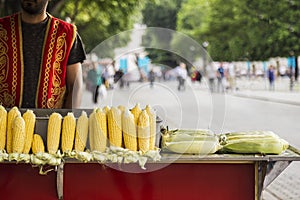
x=57 y=45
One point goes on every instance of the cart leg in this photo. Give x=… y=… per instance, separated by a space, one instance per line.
x=274 y=169
x=60 y=180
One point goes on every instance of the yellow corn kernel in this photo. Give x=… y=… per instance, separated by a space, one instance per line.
x=19 y=134
x=144 y=131
x=81 y=134
x=98 y=130
x=106 y=109
x=129 y=130
x=152 y=121
x=114 y=127
x=53 y=132
x=29 y=118
x=122 y=108
x=68 y=132
x=3 y=123
x=38 y=144
x=11 y=115
x=136 y=111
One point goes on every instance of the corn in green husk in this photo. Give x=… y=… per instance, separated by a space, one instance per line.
x=190 y=141
x=264 y=142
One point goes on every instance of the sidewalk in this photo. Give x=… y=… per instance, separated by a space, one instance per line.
x=258 y=89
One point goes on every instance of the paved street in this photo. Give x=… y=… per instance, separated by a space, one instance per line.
x=246 y=109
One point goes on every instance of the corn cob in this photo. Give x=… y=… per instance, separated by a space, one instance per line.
x=12 y=114
x=68 y=132
x=129 y=130
x=29 y=118
x=188 y=135
x=106 y=109
x=53 y=132
x=265 y=146
x=143 y=131
x=92 y=122
x=38 y=144
x=101 y=141
x=194 y=147
x=19 y=134
x=3 y=123
x=265 y=142
x=191 y=141
x=249 y=134
x=136 y=111
x=115 y=127
x=122 y=108
x=152 y=120
x=81 y=134
x=98 y=130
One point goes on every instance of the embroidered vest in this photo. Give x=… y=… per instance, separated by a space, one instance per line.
x=58 y=42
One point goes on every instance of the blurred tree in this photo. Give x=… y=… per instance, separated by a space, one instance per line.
x=161 y=14
x=243 y=30
x=96 y=20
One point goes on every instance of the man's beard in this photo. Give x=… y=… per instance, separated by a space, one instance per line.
x=33 y=7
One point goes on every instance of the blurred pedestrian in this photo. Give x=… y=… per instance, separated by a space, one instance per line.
x=181 y=75
x=220 y=77
x=119 y=77
x=211 y=75
x=196 y=75
x=271 y=77
x=94 y=82
x=231 y=77
x=151 y=77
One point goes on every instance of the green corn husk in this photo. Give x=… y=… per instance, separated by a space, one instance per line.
x=190 y=141
x=250 y=134
x=192 y=132
x=186 y=135
x=193 y=147
x=265 y=142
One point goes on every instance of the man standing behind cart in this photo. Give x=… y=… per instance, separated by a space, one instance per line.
x=41 y=59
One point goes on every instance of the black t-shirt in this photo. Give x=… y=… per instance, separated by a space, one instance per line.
x=33 y=39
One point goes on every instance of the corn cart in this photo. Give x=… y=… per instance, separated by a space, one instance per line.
x=174 y=176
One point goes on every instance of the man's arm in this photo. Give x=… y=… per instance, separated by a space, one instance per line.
x=74 y=86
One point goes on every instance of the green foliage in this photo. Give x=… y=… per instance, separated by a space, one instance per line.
x=243 y=30
x=98 y=20
x=161 y=14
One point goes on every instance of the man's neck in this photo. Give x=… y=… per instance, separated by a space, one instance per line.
x=33 y=19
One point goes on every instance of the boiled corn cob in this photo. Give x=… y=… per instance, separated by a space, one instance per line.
x=53 y=132
x=29 y=118
x=81 y=134
x=98 y=130
x=114 y=127
x=188 y=135
x=129 y=130
x=12 y=114
x=194 y=147
x=18 y=134
x=190 y=141
x=122 y=108
x=152 y=121
x=3 y=123
x=136 y=111
x=37 y=144
x=143 y=132
x=266 y=142
x=106 y=109
x=68 y=132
